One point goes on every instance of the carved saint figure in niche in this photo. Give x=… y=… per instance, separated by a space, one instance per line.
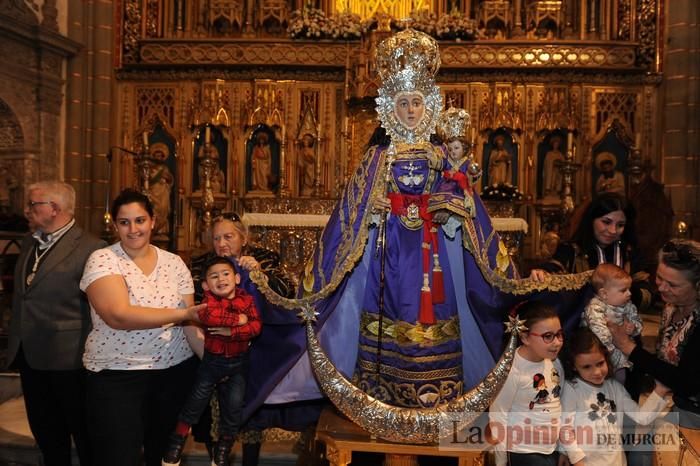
x=217 y=180
x=551 y=176
x=307 y=165
x=262 y=162
x=610 y=180
x=500 y=162
x=160 y=185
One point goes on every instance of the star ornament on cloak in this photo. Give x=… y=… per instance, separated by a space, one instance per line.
x=515 y=325
x=308 y=314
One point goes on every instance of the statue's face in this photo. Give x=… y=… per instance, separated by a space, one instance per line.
x=455 y=149
x=409 y=108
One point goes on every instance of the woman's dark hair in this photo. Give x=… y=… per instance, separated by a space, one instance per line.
x=129 y=196
x=534 y=311
x=603 y=205
x=582 y=341
x=684 y=256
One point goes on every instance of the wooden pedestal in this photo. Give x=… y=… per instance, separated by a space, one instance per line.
x=342 y=437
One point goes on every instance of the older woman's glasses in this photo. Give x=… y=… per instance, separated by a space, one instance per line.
x=231 y=216
x=549 y=337
x=683 y=252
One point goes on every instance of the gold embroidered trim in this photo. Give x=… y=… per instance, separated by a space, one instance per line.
x=273 y=434
x=406 y=333
x=437 y=374
x=416 y=359
x=406 y=395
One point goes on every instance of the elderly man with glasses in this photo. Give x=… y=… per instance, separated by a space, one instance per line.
x=50 y=322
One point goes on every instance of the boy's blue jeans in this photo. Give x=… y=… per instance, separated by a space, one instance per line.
x=228 y=376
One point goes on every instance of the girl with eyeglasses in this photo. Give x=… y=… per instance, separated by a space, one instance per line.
x=530 y=398
x=597 y=403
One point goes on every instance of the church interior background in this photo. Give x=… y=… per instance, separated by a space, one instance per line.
x=265 y=107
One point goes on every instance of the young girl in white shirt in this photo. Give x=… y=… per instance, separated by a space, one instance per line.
x=526 y=415
x=597 y=403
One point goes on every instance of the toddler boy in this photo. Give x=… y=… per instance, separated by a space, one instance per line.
x=231 y=321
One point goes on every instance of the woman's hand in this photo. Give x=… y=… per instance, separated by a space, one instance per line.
x=629 y=327
x=380 y=205
x=621 y=338
x=192 y=312
x=538 y=275
x=248 y=263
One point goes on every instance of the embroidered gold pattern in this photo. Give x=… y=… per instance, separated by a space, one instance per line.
x=409 y=334
x=407 y=395
x=437 y=374
x=414 y=359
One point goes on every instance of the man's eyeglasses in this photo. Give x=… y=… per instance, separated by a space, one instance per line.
x=683 y=252
x=549 y=337
x=32 y=204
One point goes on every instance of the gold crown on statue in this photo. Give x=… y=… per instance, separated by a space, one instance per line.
x=453 y=124
x=408 y=62
x=408 y=51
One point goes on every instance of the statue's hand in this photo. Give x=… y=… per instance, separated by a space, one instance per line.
x=441 y=217
x=380 y=205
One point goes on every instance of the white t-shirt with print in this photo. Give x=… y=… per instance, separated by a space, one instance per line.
x=597 y=413
x=156 y=348
x=527 y=410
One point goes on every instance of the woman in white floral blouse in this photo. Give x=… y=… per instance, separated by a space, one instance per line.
x=139 y=354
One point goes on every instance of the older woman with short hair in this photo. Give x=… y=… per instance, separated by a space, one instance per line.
x=678 y=346
x=231 y=238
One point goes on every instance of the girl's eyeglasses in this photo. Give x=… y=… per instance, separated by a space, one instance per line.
x=549 y=337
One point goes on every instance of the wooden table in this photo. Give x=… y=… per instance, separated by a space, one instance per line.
x=342 y=437
x=690 y=446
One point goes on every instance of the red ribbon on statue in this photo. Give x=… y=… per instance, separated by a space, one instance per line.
x=461 y=179
x=415 y=206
